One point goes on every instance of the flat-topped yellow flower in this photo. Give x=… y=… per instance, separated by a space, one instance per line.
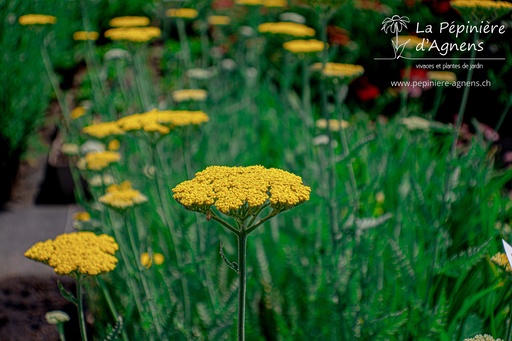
x=480 y=10
x=275 y=3
x=133 y=34
x=161 y=120
x=82 y=216
x=234 y=189
x=249 y=2
x=103 y=129
x=147 y=260
x=445 y=76
x=37 y=19
x=77 y=253
x=286 y=28
x=99 y=160
x=179 y=118
x=129 y=21
x=501 y=260
x=342 y=71
x=219 y=20
x=332 y=124
x=189 y=95
x=122 y=196
x=185 y=13
x=85 y=35
x=304 y=46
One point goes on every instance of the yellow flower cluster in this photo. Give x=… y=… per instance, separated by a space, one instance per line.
x=219 y=20
x=333 y=124
x=82 y=216
x=189 y=95
x=37 y=19
x=501 y=260
x=480 y=10
x=444 y=76
x=146 y=260
x=155 y=120
x=339 y=70
x=85 y=35
x=98 y=160
x=77 y=253
x=412 y=41
x=304 y=46
x=286 y=28
x=78 y=112
x=122 y=196
x=230 y=189
x=185 y=13
x=103 y=129
x=266 y=3
x=484 y=337
x=129 y=21
x=134 y=34
x=249 y=2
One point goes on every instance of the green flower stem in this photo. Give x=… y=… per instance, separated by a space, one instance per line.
x=306 y=88
x=404 y=92
x=204 y=45
x=509 y=327
x=185 y=48
x=60 y=330
x=111 y=305
x=80 y=305
x=253 y=227
x=504 y=113
x=145 y=285
x=139 y=76
x=242 y=257
x=464 y=101
x=437 y=101
x=223 y=223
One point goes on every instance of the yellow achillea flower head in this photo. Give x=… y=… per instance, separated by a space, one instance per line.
x=133 y=34
x=84 y=35
x=155 y=120
x=98 y=160
x=114 y=145
x=275 y=3
x=501 y=260
x=122 y=196
x=189 y=95
x=286 y=28
x=480 y=10
x=249 y=2
x=185 y=13
x=232 y=189
x=346 y=72
x=304 y=46
x=333 y=124
x=445 y=76
x=77 y=253
x=219 y=20
x=103 y=129
x=146 y=260
x=37 y=19
x=129 y=21
x=484 y=337
x=82 y=216
x=412 y=41
x=78 y=112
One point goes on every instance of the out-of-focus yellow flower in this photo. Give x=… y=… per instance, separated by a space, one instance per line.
x=480 y=10
x=133 y=34
x=185 y=13
x=56 y=317
x=70 y=149
x=156 y=120
x=380 y=197
x=501 y=260
x=37 y=19
x=103 y=129
x=114 y=145
x=275 y=3
x=146 y=260
x=286 y=28
x=99 y=160
x=445 y=76
x=76 y=253
x=235 y=189
x=346 y=72
x=78 y=112
x=84 y=35
x=129 y=21
x=189 y=95
x=484 y=337
x=219 y=20
x=82 y=216
x=334 y=125
x=122 y=196
x=249 y=2
x=304 y=46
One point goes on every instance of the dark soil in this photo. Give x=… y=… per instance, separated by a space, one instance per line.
x=23 y=303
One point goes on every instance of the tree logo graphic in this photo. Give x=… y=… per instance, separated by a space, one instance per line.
x=395 y=25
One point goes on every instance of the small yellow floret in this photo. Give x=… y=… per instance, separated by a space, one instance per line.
x=304 y=46
x=339 y=70
x=501 y=260
x=185 y=13
x=189 y=95
x=99 y=160
x=219 y=20
x=37 y=19
x=134 y=34
x=78 y=112
x=84 y=35
x=103 y=129
x=122 y=196
x=287 y=28
x=129 y=21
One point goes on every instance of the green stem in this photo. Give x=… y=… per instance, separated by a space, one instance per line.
x=509 y=327
x=60 y=330
x=242 y=257
x=464 y=101
x=185 y=49
x=405 y=89
x=110 y=303
x=81 y=315
x=504 y=113
x=306 y=88
x=437 y=101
